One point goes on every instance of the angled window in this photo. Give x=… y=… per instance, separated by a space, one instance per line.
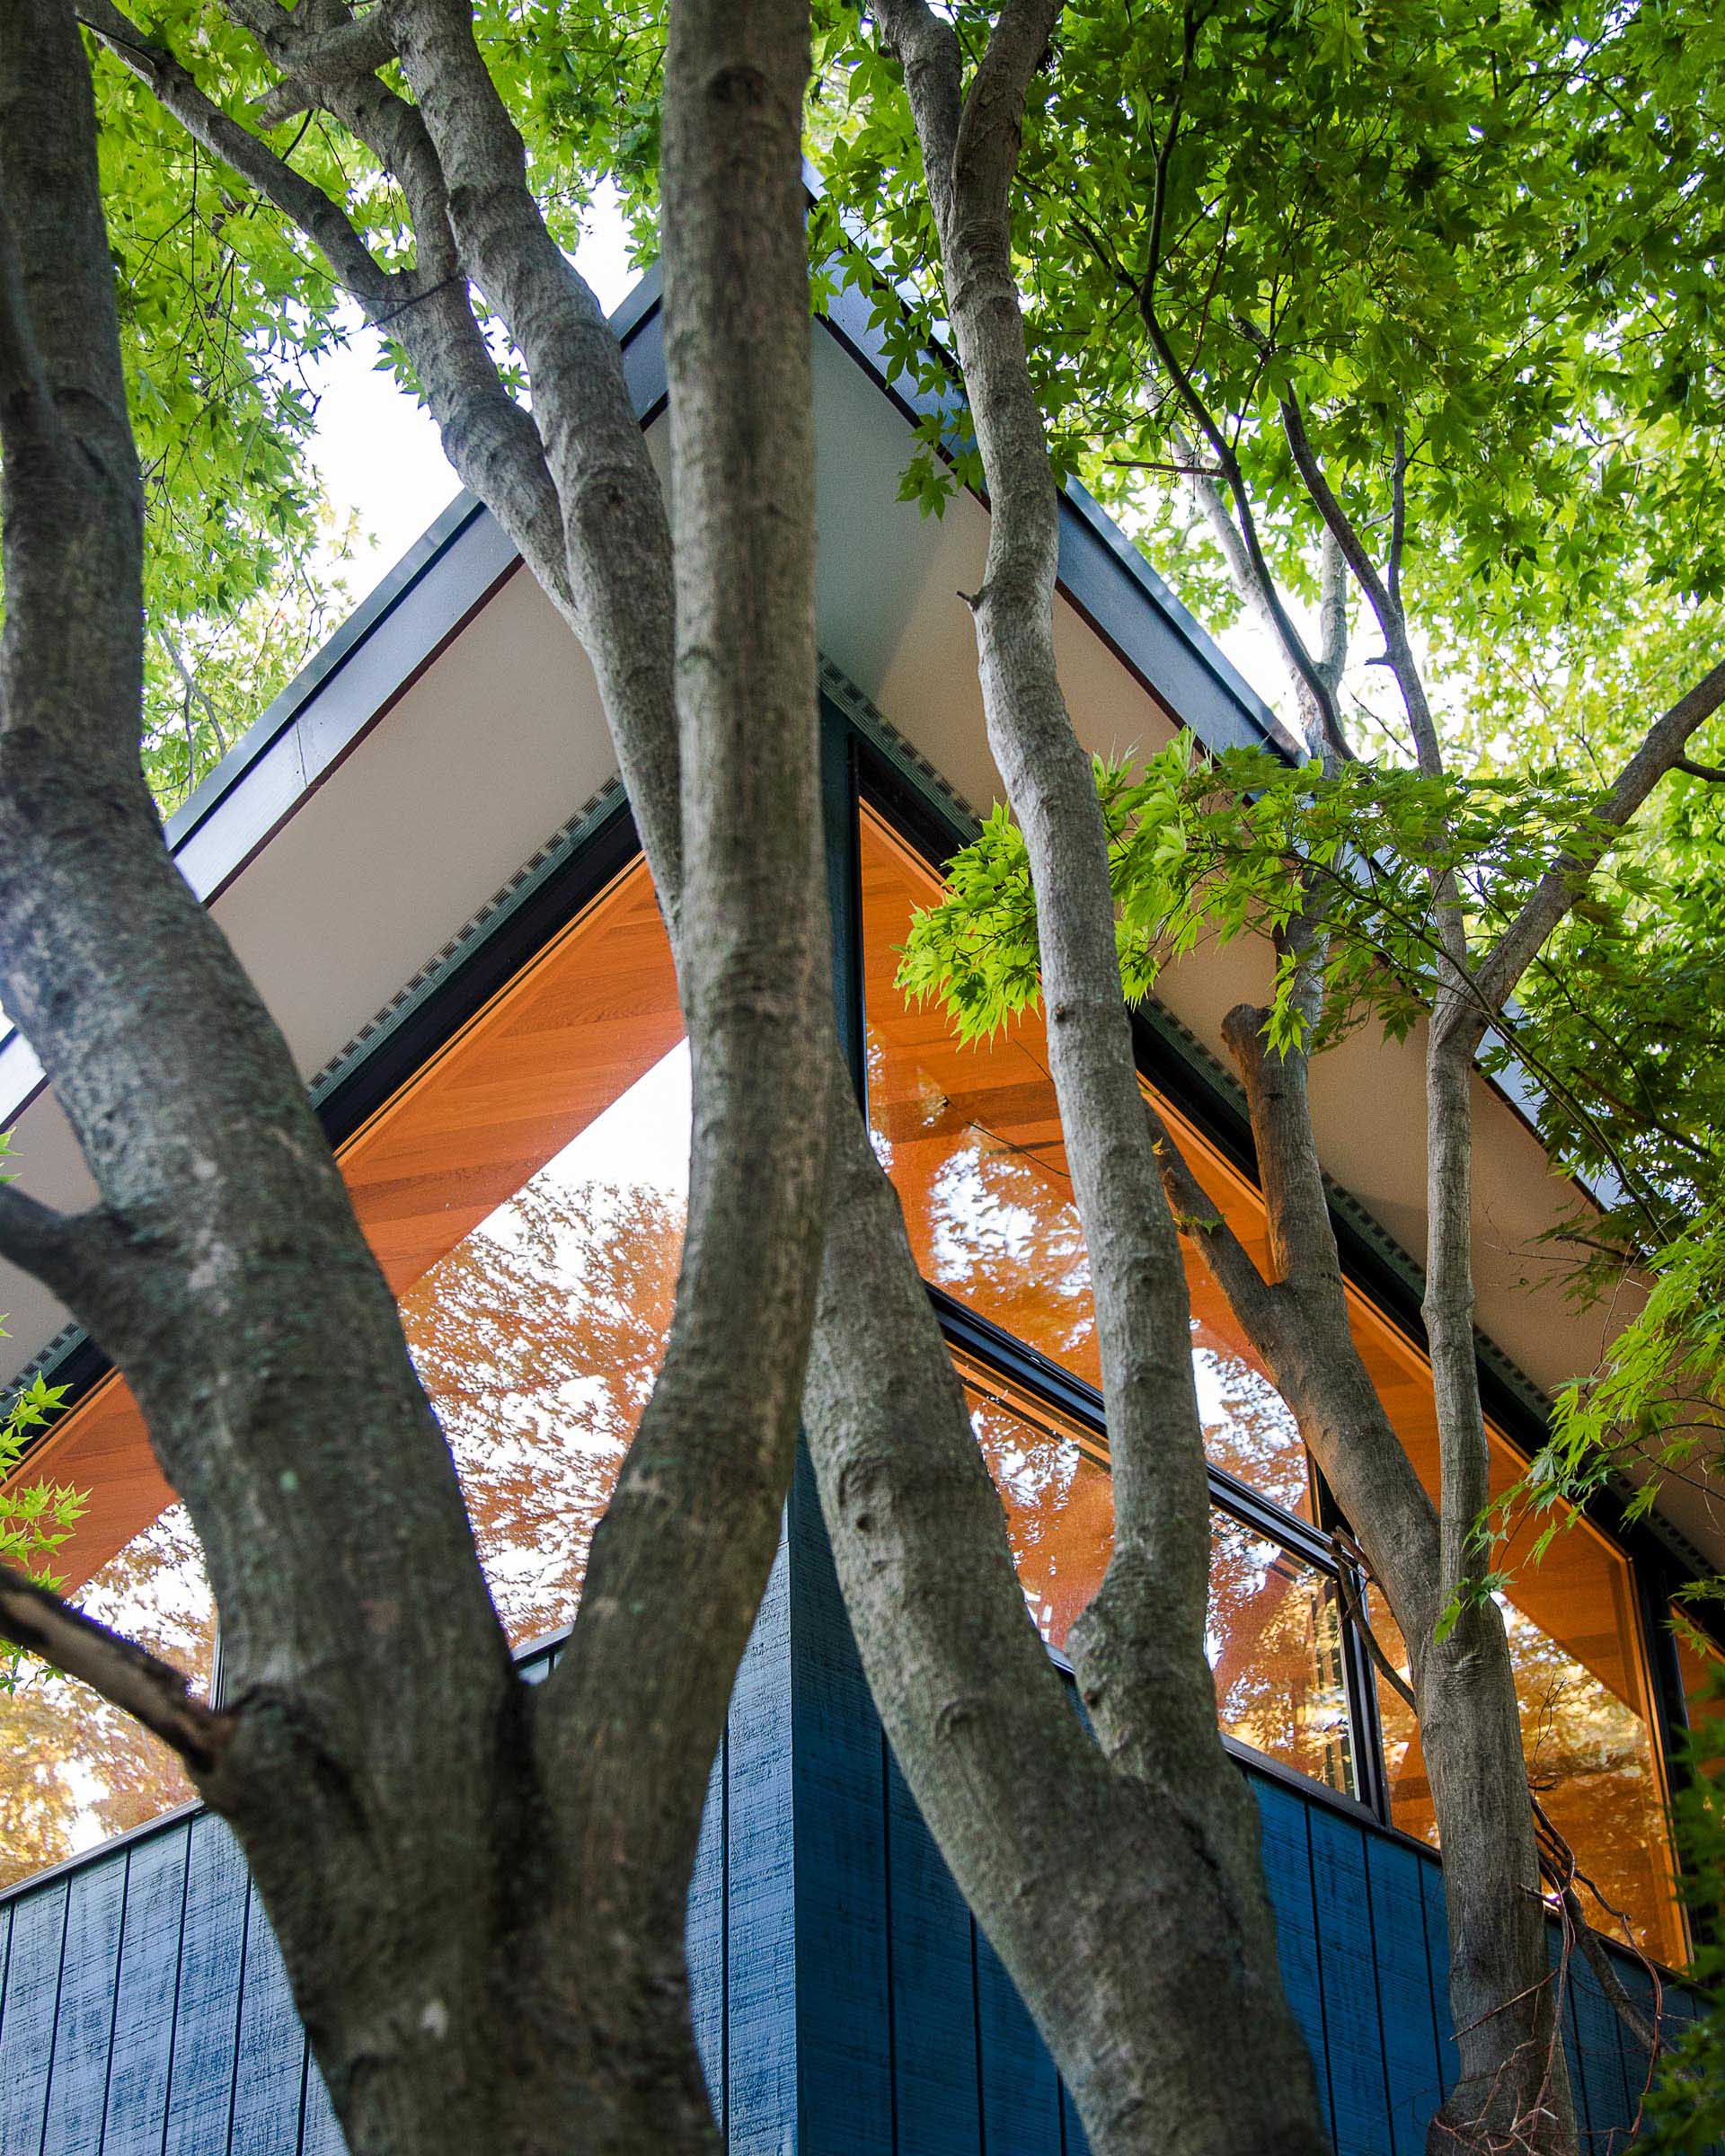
x=523 y=1192
x=73 y=1770
x=971 y=1137
x=1702 y=1667
x=1274 y=1635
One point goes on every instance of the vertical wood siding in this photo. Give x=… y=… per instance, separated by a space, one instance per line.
x=846 y=2002
x=913 y=2041
x=144 y=2009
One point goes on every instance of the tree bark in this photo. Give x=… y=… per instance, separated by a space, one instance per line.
x=1106 y=1895
x=1512 y=2092
x=484 y=1937
x=1138 y=1649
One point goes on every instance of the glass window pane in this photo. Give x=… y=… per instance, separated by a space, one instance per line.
x=75 y=1770
x=971 y=1138
x=1274 y=1644
x=527 y=1194
x=1058 y=1500
x=539 y=1337
x=524 y=1196
x=1590 y=1762
x=1702 y=1670
x=1274 y=1637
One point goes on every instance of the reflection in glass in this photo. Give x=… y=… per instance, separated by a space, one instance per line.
x=1274 y=1637
x=75 y=1770
x=524 y=1194
x=1058 y=1501
x=1702 y=1667
x=1275 y=1645
x=1590 y=1762
x=538 y=1337
x=971 y=1139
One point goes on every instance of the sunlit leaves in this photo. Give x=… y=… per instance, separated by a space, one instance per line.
x=36 y=1519
x=1244 y=843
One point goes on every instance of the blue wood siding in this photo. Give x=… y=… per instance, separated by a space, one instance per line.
x=914 y=2042
x=846 y=2001
x=145 y=2008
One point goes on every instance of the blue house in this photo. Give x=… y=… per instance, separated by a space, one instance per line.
x=422 y=853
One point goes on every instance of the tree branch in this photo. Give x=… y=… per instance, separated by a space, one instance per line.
x=991 y=122
x=127 y=1675
x=1269 y=599
x=615 y=577
x=1253 y=1300
x=491 y=443
x=1387 y=610
x=1558 y=888
x=306 y=205
x=75 y=1254
x=927 y=49
x=359 y=46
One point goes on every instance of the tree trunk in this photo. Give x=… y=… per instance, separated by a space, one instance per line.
x=1138 y=1649
x=478 y=1886
x=1512 y=2093
x=1110 y=1899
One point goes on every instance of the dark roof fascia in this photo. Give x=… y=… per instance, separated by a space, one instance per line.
x=1102 y=573
x=450 y=572
x=938 y=821
x=352 y=681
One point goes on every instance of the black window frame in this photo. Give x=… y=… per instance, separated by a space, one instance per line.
x=862 y=761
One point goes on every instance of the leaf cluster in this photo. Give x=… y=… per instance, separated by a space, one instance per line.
x=35 y=1519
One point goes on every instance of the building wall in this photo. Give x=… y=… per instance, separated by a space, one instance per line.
x=846 y=2001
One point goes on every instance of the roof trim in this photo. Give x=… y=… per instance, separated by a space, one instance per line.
x=396 y=632
x=449 y=573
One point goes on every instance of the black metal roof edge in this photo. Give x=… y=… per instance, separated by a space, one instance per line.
x=395 y=586
x=637 y=312
x=397 y=583
x=1101 y=567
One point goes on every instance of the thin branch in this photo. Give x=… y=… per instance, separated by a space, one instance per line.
x=298 y=200
x=1557 y=1862
x=195 y=691
x=1558 y=888
x=1253 y=1300
x=129 y=1677
x=1384 y=606
x=1712 y=773
x=1293 y=645
x=359 y=46
x=74 y=1254
x=1355 y=1607
x=1332 y=613
x=489 y=438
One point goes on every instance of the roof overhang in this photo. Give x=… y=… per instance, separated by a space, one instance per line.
x=453 y=726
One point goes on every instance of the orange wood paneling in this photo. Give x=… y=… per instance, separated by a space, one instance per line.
x=587 y=1018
